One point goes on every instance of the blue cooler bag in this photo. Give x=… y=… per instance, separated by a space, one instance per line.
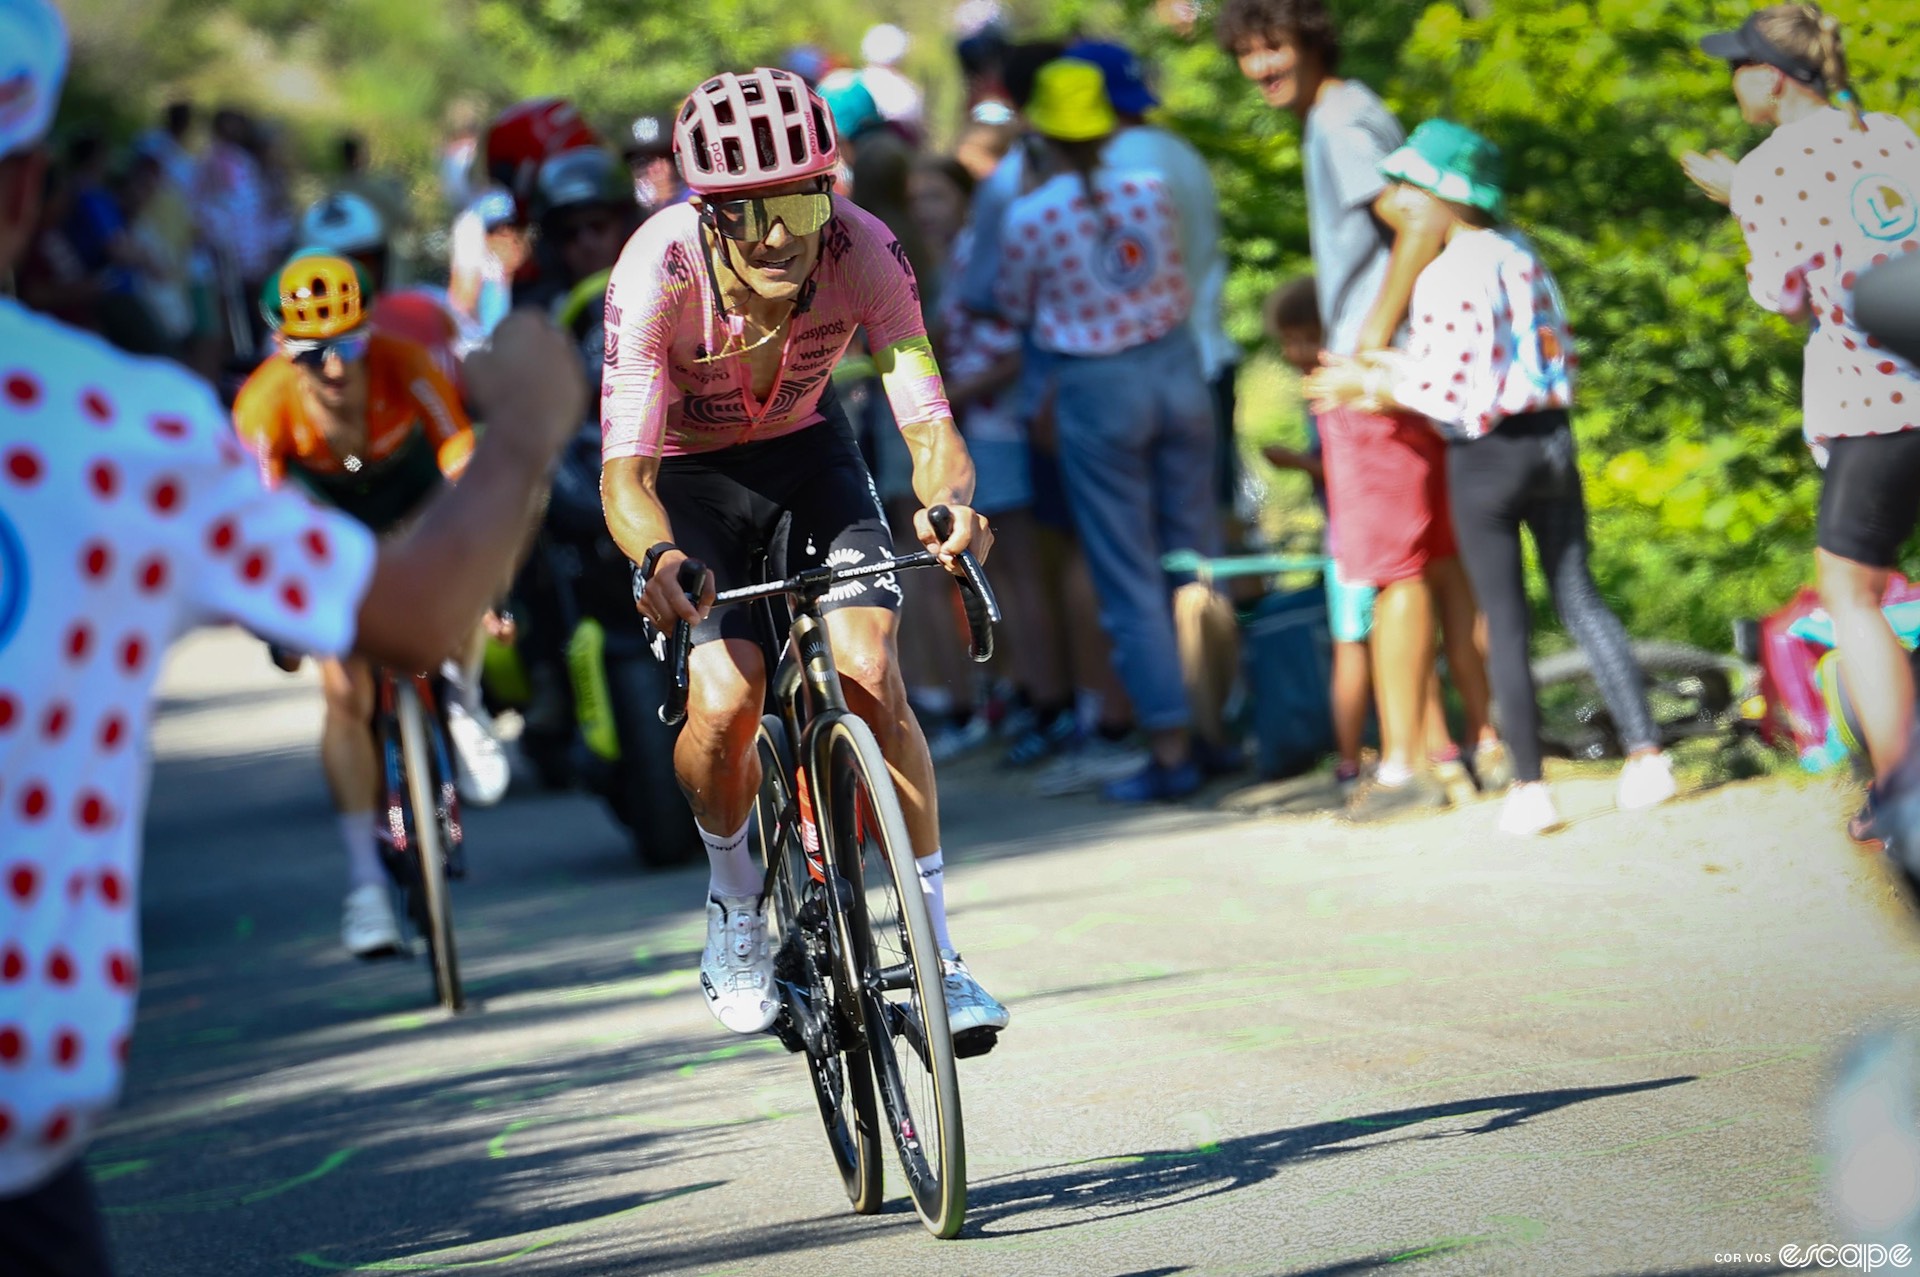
x=1288 y=654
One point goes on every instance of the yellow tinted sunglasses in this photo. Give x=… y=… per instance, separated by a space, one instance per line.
x=751 y=220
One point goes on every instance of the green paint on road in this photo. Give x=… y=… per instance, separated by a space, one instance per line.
x=105 y=1172
x=226 y=1198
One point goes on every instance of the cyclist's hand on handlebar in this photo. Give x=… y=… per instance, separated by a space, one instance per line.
x=527 y=384
x=970 y=532
x=663 y=601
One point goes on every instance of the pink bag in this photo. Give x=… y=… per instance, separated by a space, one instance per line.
x=1797 y=714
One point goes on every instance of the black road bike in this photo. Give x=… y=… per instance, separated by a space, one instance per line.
x=422 y=848
x=855 y=962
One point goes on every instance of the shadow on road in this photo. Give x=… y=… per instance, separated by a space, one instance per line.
x=1135 y=1183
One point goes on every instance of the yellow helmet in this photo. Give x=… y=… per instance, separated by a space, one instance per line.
x=320 y=297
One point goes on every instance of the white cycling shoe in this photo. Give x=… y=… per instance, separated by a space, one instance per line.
x=974 y=1016
x=367 y=925
x=736 y=970
x=481 y=771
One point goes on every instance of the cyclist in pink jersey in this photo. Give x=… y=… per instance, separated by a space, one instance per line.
x=725 y=318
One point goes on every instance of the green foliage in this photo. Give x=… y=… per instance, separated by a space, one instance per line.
x=1701 y=489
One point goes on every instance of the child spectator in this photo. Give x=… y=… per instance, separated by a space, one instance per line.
x=1490 y=361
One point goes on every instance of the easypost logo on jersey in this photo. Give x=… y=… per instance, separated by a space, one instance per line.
x=1884 y=207
x=13 y=581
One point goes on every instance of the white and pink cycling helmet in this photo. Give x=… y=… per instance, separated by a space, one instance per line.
x=760 y=128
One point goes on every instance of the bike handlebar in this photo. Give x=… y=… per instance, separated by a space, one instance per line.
x=692 y=577
x=982 y=608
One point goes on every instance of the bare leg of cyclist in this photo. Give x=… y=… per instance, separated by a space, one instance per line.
x=719 y=770
x=715 y=760
x=1876 y=664
x=865 y=648
x=352 y=766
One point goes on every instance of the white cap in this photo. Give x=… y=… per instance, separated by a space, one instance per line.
x=33 y=62
x=884 y=45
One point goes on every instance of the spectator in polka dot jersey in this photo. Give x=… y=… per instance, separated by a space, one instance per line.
x=1090 y=261
x=1833 y=193
x=128 y=514
x=1489 y=360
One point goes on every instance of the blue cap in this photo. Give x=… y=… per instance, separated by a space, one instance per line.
x=808 y=62
x=1126 y=82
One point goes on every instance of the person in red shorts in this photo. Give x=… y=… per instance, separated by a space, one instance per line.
x=1385 y=472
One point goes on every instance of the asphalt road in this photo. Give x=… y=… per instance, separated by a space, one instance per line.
x=1240 y=1045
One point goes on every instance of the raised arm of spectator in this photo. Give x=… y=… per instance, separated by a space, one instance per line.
x=431 y=586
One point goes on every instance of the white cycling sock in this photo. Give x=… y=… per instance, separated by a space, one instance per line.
x=933 y=885
x=363 y=857
x=732 y=869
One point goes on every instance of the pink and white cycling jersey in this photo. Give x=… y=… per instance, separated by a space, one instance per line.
x=659 y=399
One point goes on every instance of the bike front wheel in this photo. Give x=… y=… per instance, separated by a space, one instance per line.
x=417 y=756
x=820 y=1006
x=896 y=966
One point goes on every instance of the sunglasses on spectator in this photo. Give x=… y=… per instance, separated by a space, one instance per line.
x=349 y=349
x=750 y=221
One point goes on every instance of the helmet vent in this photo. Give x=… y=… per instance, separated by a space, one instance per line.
x=751 y=92
x=763 y=144
x=796 y=140
x=723 y=111
x=788 y=106
x=733 y=155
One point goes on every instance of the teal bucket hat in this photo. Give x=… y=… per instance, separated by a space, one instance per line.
x=1453 y=162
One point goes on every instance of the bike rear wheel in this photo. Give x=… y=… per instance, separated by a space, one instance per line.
x=820 y=1007
x=896 y=964
x=430 y=848
x=1690 y=692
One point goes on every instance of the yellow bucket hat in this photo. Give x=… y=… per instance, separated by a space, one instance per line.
x=1069 y=102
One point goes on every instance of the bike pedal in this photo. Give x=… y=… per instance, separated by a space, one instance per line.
x=969 y=1043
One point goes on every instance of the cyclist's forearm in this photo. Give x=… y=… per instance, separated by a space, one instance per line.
x=942 y=468
x=631 y=499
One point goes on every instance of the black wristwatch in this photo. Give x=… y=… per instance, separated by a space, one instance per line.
x=651 y=559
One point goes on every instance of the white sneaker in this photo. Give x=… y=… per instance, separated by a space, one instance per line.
x=367 y=926
x=1529 y=810
x=1096 y=762
x=737 y=968
x=1646 y=781
x=969 y=1007
x=481 y=770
